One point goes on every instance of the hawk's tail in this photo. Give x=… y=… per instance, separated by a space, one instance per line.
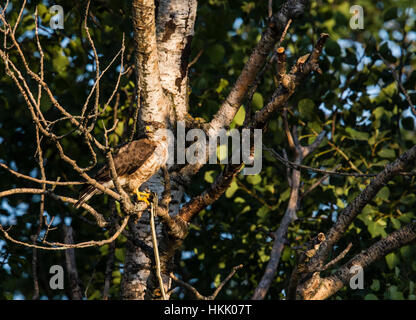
x=85 y=195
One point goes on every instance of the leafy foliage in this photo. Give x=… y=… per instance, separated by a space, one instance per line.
x=356 y=98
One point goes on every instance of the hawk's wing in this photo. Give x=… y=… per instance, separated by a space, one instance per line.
x=127 y=160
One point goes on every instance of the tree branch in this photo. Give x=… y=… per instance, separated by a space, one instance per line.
x=64 y=246
x=291 y=9
x=210 y=195
x=215 y=293
x=71 y=266
x=321 y=288
x=290 y=215
x=354 y=208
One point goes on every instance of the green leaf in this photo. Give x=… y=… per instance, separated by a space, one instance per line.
x=209 y=176
x=119 y=254
x=222 y=152
x=240 y=116
x=95 y=296
x=262 y=212
x=384 y=193
x=257 y=101
x=370 y=296
x=387 y=153
x=248 y=6
x=332 y=48
x=222 y=85
x=340 y=203
x=392 y=260
x=231 y=189
x=306 y=108
x=406 y=217
x=376 y=228
x=396 y=223
x=409 y=200
x=239 y=200
x=357 y=135
x=406 y=251
x=217 y=280
x=104 y=250
x=375 y=286
x=286 y=254
x=254 y=179
x=60 y=63
x=378 y=112
x=394 y=293
x=285 y=195
x=42 y=9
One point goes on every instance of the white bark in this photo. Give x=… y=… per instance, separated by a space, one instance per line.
x=163 y=80
x=175 y=29
x=153 y=103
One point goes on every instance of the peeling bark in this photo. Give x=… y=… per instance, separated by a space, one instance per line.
x=175 y=29
x=154 y=105
x=162 y=52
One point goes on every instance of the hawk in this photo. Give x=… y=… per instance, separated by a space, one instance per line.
x=135 y=163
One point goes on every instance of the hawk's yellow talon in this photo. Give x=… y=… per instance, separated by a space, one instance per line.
x=142 y=196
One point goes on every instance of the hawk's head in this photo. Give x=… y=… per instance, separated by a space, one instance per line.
x=156 y=131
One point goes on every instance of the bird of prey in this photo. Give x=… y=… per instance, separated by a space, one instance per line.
x=135 y=163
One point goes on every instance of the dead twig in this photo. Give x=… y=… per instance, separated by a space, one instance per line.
x=215 y=293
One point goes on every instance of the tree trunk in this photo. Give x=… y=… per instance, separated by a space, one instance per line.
x=174 y=30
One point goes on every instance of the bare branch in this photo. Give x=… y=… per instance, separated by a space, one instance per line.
x=211 y=194
x=355 y=207
x=215 y=293
x=291 y=9
x=299 y=71
x=338 y=258
x=155 y=247
x=400 y=85
x=317 y=183
x=64 y=246
x=294 y=165
x=289 y=216
x=317 y=288
x=97 y=67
